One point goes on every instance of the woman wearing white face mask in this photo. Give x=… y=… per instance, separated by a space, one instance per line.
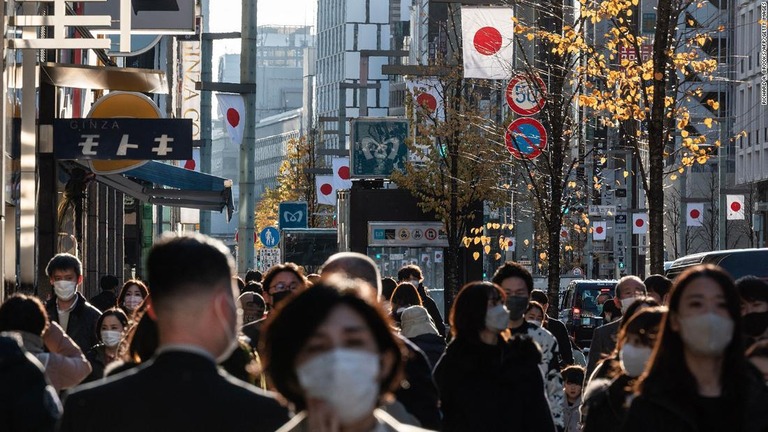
x=131 y=295
x=110 y=329
x=334 y=357
x=486 y=382
x=607 y=399
x=698 y=378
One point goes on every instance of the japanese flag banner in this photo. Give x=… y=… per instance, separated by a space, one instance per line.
x=428 y=94
x=640 y=223
x=326 y=193
x=341 y=177
x=599 y=229
x=695 y=215
x=487 y=42
x=232 y=108
x=735 y=207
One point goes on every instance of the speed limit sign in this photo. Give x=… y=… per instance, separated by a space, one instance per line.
x=524 y=97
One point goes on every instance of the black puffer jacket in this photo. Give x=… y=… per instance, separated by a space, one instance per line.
x=493 y=387
x=605 y=404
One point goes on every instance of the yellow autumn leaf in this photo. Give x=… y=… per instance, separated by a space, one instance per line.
x=529 y=36
x=526 y=242
x=626 y=174
x=708 y=122
x=487 y=250
x=496 y=225
x=543 y=255
x=467 y=241
x=497 y=256
x=673 y=177
x=476 y=255
x=489 y=225
x=603 y=160
x=477 y=240
x=684 y=133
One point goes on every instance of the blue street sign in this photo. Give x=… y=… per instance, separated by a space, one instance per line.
x=270 y=237
x=292 y=215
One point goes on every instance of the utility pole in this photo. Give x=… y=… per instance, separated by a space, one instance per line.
x=245 y=247
x=206 y=58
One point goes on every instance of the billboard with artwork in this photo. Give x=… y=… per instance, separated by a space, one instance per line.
x=378 y=147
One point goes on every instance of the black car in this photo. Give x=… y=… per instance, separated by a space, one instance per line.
x=737 y=262
x=579 y=309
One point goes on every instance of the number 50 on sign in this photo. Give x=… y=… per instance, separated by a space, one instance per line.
x=524 y=97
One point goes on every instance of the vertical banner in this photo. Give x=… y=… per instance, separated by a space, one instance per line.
x=189 y=98
x=735 y=208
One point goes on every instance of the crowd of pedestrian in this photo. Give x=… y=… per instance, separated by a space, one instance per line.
x=192 y=347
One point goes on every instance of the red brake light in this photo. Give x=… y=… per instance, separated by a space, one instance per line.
x=576 y=313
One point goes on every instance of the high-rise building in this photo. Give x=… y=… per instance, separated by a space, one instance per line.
x=344 y=29
x=750 y=108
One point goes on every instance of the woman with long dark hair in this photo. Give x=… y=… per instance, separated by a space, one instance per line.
x=698 y=378
x=487 y=381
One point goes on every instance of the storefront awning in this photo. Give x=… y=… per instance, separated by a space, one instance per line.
x=173 y=186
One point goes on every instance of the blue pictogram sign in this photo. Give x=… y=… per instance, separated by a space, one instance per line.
x=270 y=237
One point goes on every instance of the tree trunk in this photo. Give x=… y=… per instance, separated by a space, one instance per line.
x=656 y=135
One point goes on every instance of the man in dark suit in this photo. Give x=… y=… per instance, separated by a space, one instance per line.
x=106 y=298
x=604 y=337
x=181 y=388
x=67 y=306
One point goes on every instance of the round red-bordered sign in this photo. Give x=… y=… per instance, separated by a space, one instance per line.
x=526 y=138
x=523 y=99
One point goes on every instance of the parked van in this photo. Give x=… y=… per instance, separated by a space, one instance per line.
x=579 y=309
x=737 y=262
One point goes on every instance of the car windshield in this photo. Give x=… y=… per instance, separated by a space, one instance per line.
x=587 y=300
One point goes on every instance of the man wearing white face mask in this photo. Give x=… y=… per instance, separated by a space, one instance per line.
x=181 y=387
x=604 y=337
x=68 y=307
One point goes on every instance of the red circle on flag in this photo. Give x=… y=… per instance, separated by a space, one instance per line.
x=736 y=206
x=695 y=213
x=599 y=230
x=190 y=164
x=344 y=173
x=427 y=101
x=233 y=117
x=487 y=41
x=640 y=222
x=563 y=233
x=326 y=189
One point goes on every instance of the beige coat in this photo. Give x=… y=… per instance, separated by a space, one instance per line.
x=65 y=364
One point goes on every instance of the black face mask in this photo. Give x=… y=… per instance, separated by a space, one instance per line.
x=517 y=306
x=755 y=323
x=278 y=297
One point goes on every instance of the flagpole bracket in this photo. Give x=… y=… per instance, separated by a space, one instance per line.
x=222 y=87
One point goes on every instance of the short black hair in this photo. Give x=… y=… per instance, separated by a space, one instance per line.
x=22 y=312
x=659 y=284
x=406 y=295
x=288 y=328
x=108 y=283
x=64 y=261
x=512 y=269
x=187 y=265
x=539 y=296
x=752 y=288
x=573 y=374
x=253 y=276
x=388 y=285
x=254 y=286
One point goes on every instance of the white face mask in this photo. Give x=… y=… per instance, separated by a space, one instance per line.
x=346 y=379
x=111 y=337
x=64 y=289
x=230 y=330
x=131 y=302
x=535 y=322
x=706 y=334
x=634 y=358
x=626 y=302
x=497 y=318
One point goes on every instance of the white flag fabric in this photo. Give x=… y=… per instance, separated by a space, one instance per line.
x=232 y=108
x=735 y=207
x=599 y=230
x=341 y=173
x=564 y=234
x=640 y=223
x=428 y=94
x=326 y=193
x=487 y=42
x=695 y=215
